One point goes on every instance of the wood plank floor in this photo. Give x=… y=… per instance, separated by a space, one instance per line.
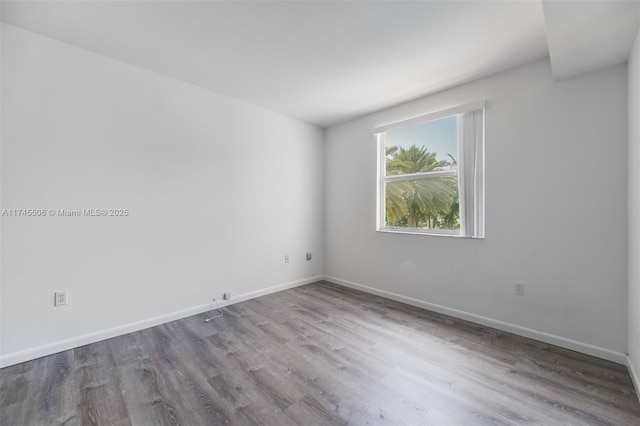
x=318 y=354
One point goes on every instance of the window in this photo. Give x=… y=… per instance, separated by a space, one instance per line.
x=431 y=173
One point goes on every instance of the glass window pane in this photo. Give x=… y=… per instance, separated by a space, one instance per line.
x=424 y=147
x=430 y=203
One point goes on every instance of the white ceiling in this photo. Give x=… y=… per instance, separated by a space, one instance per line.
x=322 y=62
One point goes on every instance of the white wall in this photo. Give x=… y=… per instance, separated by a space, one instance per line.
x=556 y=215
x=218 y=192
x=634 y=213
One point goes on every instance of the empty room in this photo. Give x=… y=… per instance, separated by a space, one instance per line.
x=320 y=212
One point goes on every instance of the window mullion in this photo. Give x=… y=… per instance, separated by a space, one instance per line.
x=427 y=175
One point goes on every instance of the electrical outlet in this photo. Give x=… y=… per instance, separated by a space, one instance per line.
x=286 y=258
x=518 y=289
x=309 y=256
x=60 y=298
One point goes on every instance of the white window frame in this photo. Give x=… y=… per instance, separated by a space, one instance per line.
x=470 y=171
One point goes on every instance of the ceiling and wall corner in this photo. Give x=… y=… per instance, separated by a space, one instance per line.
x=328 y=62
x=321 y=62
x=587 y=35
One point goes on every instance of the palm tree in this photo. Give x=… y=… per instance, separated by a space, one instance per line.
x=419 y=202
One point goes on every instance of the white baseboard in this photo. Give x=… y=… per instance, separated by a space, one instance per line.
x=74 y=342
x=40 y=351
x=634 y=376
x=574 y=345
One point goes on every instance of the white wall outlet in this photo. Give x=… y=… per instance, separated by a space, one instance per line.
x=309 y=256
x=60 y=298
x=518 y=289
x=226 y=295
x=286 y=258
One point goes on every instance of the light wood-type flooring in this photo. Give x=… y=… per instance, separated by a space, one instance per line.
x=318 y=354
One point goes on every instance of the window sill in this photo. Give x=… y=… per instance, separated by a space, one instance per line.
x=430 y=233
